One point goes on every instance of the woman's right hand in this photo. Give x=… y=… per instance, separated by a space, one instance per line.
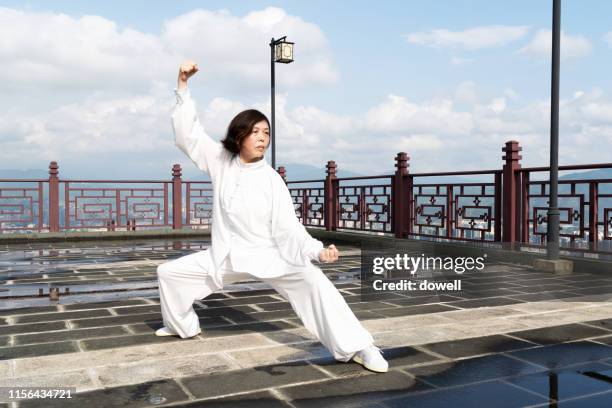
x=186 y=71
x=329 y=254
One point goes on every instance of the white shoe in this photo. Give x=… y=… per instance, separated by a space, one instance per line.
x=164 y=331
x=372 y=359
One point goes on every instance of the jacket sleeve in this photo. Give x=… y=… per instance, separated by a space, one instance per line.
x=190 y=137
x=294 y=242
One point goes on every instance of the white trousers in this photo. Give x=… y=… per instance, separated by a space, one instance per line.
x=314 y=299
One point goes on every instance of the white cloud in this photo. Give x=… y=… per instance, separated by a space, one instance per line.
x=572 y=46
x=435 y=133
x=90 y=52
x=471 y=39
x=466 y=93
x=398 y=115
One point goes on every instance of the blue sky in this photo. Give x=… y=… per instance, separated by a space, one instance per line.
x=435 y=79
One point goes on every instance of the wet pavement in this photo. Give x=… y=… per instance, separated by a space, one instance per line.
x=511 y=337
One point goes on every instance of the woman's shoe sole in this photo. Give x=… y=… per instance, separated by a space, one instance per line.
x=359 y=361
x=162 y=334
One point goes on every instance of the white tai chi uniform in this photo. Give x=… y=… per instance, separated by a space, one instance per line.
x=255 y=233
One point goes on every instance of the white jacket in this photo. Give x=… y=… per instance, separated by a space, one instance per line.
x=254 y=218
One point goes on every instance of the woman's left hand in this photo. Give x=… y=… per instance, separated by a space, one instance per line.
x=329 y=254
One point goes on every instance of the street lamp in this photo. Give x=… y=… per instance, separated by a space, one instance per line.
x=280 y=51
x=552 y=225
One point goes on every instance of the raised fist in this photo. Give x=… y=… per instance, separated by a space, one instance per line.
x=329 y=254
x=187 y=69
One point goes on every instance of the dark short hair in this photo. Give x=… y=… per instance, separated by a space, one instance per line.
x=240 y=127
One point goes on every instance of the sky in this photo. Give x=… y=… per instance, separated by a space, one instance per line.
x=90 y=85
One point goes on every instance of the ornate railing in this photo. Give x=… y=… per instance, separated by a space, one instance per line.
x=506 y=205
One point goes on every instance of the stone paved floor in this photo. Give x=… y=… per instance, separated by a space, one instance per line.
x=512 y=337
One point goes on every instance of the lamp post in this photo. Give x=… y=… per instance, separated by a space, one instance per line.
x=280 y=51
x=552 y=247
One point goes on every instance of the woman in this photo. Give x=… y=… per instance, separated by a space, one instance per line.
x=255 y=233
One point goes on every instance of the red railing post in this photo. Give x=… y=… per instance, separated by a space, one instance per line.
x=401 y=196
x=593 y=214
x=525 y=207
x=511 y=192
x=283 y=173
x=497 y=226
x=331 y=197
x=54 y=197
x=177 y=197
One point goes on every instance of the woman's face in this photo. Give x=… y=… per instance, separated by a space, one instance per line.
x=254 y=145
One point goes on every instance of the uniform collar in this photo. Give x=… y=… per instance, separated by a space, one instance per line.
x=250 y=166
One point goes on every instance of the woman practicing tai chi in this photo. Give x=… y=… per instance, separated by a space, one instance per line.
x=255 y=233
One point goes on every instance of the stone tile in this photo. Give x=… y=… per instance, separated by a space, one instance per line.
x=479 y=294
x=472 y=370
x=486 y=327
x=411 y=337
x=486 y=302
x=263 y=399
x=406 y=356
x=77 y=334
x=127 y=340
x=560 y=334
x=472 y=315
x=77 y=378
x=250 y=379
x=603 y=323
x=546 y=319
x=81 y=360
x=423 y=300
x=404 y=322
x=489 y=394
x=571 y=382
x=594 y=291
x=477 y=346
x=139 y=395
x=240 y=301
x=233 y=313
x=545 y=288
x=205 y=346
x=358 y=306
x=118 y=374
x=287 y=336
x=37 y=350
x=251 y=293
x=546 y=296
x=279 y=354
x=353 y=391
x=604 y=340
x=561 y=355
x=116 y=320
x=6 y=370
x=263 y=316
x=121 y=311
x=599 y=400
x=97 y=305
x=28 y=310
x=268 y=307
x=205 y=324
x=46 y=317
x=413 y=310
x=258 y=327
x=546 y=306
x=367 y=314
